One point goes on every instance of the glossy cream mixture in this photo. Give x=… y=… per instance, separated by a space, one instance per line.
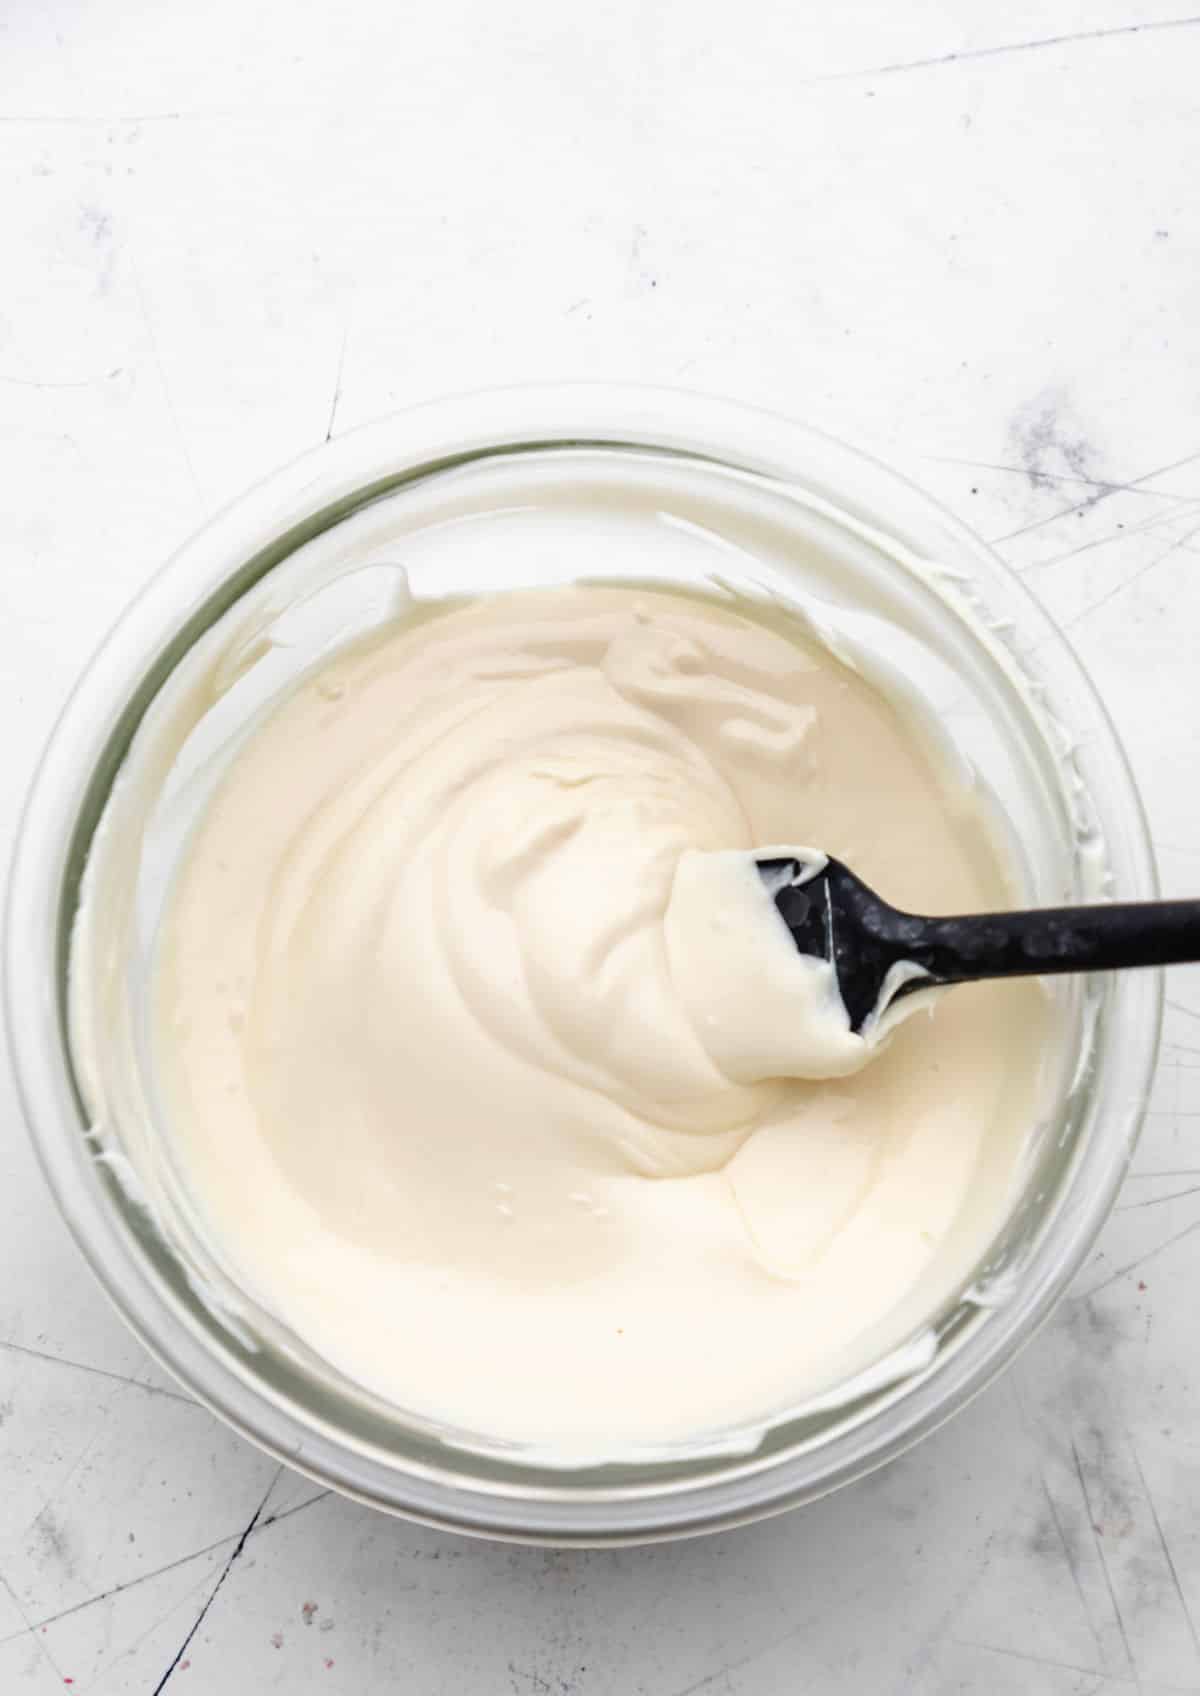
x=492 y=1067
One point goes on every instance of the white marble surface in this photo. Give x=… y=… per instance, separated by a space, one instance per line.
x=965 y=235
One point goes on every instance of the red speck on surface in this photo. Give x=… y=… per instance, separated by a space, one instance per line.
x=307 y=1610
x=1141 y=1286
x=277 y=1640
x=184 y=1665
x=328 y=1663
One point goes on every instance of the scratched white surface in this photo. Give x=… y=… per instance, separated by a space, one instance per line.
x=965 y=235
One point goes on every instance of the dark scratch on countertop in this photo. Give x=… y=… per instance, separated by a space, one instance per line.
x=1128 y=583
x=1157 y=1200
x=1159 y=521
x=1105 y=485
x=1133 y=486
x=1167 y=1555
x=259 y=1527
x=222 y=1576
x=967 y=54
x=99 y=1372
x=1099 y=1546
x=1071 y=1555
x=337 y=383
x=1151 y=1254
x=1024 y=1655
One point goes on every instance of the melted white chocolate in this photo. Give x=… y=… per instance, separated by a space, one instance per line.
x=492 y=1067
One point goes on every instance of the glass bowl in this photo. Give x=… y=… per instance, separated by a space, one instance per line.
x=966 y=636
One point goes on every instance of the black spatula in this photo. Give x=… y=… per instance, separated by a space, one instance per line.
x=834 y=915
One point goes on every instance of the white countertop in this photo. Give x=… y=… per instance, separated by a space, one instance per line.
x=964 y=235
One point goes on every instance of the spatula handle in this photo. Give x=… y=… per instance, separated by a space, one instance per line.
x=1098 y=938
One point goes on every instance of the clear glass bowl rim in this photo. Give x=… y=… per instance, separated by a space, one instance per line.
x=334 y=477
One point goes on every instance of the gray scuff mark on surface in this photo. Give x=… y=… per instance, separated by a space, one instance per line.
x=96 y=225
x=523 y=1678
x=1094 y=1334
x=1047 y=439
x=642 y=279
x=51 y=1540
x=47 y=1539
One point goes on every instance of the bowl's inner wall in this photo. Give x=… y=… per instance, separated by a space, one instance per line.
x=930 y=639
